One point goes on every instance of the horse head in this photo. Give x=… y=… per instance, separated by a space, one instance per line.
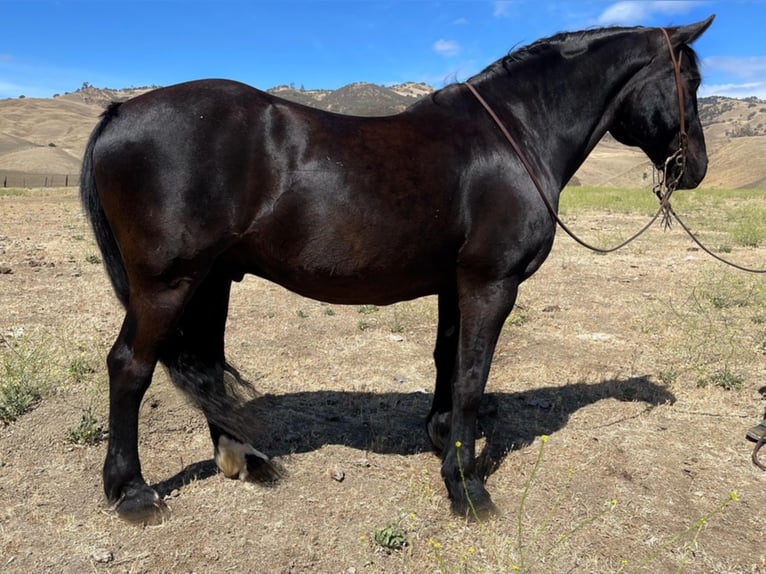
x=658 y=108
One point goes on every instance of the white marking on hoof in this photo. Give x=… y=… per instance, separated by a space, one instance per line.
x=230 y=457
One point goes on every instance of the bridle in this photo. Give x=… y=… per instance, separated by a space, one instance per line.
x=663 y=187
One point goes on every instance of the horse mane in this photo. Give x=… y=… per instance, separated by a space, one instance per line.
x=567 y=44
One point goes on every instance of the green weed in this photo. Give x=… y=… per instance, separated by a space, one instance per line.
x=13 y=191
x=367 y=309
x=79 y=368
x=723 y=379
x=88 y=432
x=390 y=538
x=26 y=373
x=668 y=376
x=750 y=227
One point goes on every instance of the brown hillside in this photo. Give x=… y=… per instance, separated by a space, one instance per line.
x=42 y=140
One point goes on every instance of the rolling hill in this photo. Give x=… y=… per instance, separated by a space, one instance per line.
x=42 y=140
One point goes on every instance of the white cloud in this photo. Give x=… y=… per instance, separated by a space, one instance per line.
x=633 y=12
x=446 y=47
x=501 y=9
x=734 y=77
x=744 y=90
x=748 y=68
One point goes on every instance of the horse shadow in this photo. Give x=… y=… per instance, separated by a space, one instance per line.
x=394 y=423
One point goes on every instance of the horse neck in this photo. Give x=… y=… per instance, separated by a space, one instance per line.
x=559 y=107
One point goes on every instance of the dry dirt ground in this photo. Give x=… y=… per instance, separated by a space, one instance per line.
x=606 y=355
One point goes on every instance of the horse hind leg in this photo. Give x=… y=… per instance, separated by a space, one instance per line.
x=197 y=365
x=149 y=319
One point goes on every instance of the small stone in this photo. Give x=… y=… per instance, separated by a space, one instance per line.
x=337 y=473
x=396 y=338
x=102 y=556
x=5 y=270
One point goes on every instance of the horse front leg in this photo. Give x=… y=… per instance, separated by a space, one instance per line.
x=483 y=310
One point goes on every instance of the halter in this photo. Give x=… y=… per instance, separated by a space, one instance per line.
x=663 y=188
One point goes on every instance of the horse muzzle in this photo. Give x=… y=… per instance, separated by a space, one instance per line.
x=693 y=173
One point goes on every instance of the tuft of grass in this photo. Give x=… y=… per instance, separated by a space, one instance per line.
x=518 y=317
x=367 y=309
x=17 y=398
x=723 y=379
x=709 y=328
x=93 y=259
x=79 y=368
x=668 y=376
x=750 y=227
x=12 y=191
x=30 y=367
x=585 y=198
x=26 y=371
x=89 y=432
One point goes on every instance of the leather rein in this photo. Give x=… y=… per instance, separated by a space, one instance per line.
x=663 y=188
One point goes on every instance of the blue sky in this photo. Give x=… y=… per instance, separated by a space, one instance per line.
x=53 y=46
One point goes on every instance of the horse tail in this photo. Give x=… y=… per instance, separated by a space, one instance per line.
x=91 y=203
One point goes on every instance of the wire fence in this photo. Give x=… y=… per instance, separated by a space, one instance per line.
x=27 y=180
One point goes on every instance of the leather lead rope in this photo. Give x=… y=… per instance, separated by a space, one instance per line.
x=536 y=181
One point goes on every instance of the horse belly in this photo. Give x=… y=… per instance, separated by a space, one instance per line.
x=339 y=268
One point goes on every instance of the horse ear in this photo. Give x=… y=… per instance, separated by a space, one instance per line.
x=688 y=34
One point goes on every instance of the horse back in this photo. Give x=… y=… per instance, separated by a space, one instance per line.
x=360 y=208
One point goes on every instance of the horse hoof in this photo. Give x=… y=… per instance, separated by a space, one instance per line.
x=438 y=427
x=142 y=505
x=241 y=461
x=472 y=501
x=481 y=509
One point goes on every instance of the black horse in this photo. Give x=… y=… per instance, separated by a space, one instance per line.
x=190 y=187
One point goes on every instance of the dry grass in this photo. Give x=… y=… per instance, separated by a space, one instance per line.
x=605 y=361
